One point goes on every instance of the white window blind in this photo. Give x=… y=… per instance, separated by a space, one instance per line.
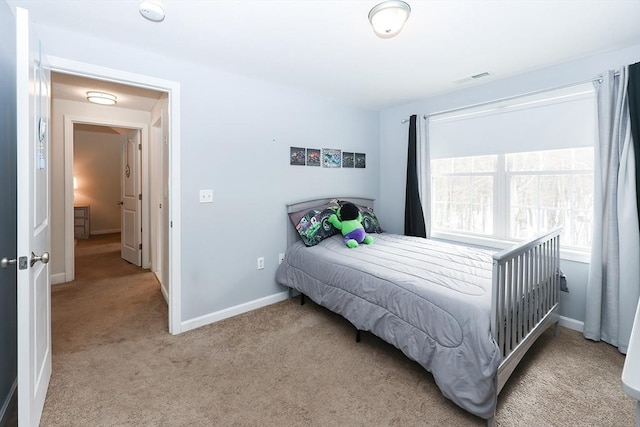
x=547 y=121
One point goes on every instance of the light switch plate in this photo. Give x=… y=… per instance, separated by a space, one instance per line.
x=206 y=196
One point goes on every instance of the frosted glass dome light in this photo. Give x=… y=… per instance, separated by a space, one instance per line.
x=388 y=18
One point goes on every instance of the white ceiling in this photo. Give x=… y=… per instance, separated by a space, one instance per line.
x=327 y=46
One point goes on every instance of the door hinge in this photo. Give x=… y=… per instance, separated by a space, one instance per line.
x=140 y=147
x=139 y=196
x=140 y=246
x=22 y=263
x=171 y=224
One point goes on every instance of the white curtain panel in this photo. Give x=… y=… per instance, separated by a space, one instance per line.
x=423 y=167
x=613 y=286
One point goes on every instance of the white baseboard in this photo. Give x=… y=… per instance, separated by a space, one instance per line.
x=570 y=323
x=165 y=293
x=105 y=231
x=59 y=278
x=208 y=319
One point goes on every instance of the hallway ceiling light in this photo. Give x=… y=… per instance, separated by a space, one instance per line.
x=388 y=18
x=101 y=98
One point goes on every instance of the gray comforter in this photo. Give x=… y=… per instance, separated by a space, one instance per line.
x=432 y=300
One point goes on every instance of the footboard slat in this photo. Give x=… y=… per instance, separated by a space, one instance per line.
x=529 y=285
x=507 y=306
x=515 y=302
x=525 y=298
x=521 y=298
x=499 y=295
x=545 y=281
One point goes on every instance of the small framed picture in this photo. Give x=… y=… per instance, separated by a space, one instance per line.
x=348 y=159
x=360 y=160
x=313 y=157
x=331 y=158
x=297 y=156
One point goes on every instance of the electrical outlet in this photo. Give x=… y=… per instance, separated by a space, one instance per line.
x=280 y=258
x=206 y=196
x=260 y=263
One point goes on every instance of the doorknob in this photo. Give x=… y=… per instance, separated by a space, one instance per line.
x=5 y=262
x=121 y=203
x=44 y=258
x=21 y=261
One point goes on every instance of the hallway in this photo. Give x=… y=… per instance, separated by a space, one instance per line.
x=109 y=301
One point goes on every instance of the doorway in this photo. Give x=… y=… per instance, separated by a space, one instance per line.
x=106 y=185
x=107 y=193
x=168 y=273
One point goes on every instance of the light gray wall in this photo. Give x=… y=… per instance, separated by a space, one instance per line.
x=235 y=139
x=96 y=165
x=393 y=142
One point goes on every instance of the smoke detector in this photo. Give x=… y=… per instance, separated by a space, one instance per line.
x=151 y=11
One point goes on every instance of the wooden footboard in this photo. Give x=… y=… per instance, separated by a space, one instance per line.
x=526 y=286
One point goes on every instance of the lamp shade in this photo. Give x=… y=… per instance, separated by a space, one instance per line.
x=388 y=18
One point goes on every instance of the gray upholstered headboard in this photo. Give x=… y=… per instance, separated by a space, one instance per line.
x=292 y=234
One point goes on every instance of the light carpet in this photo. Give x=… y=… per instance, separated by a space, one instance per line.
x=114 y=364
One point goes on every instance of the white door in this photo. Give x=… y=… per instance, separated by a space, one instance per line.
x=34 y=239
x=131 y=201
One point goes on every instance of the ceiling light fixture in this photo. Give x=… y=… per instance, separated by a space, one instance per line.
x=101 y=98
x=388 y=18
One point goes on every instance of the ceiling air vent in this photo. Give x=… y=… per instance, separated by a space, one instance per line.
x=472 y=78
x=479 y=76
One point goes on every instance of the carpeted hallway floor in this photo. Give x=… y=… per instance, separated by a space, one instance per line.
x=114 y=364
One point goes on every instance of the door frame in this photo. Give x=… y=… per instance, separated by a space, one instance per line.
x=172 y=88
x=157 y=190
x=143 y=176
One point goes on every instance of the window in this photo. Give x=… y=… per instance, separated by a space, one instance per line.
x=515 y=169
x=550 y=189
x=462 y=191
x=541 y=190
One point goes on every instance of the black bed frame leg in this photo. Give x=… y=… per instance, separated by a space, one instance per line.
x=357 y=335
x=301 y=299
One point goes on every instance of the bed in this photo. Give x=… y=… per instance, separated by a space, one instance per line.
x=467 y=315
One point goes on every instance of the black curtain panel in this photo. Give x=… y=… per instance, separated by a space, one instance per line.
x=413 y=215
x=633 y=90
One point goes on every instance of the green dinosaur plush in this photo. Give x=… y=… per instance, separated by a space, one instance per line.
x=350 y=224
